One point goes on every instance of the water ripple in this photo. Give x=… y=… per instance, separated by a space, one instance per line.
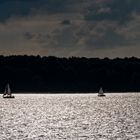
x=70 y=117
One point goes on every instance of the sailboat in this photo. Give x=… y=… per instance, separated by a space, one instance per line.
x=7 y=92
x=101 y=93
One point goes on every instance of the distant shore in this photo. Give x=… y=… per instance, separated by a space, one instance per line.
x=37 y=74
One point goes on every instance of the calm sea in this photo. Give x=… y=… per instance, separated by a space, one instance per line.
x=70 y=117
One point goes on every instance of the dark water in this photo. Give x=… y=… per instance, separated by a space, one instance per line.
x=70 y=117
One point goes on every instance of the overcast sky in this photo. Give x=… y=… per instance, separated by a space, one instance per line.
x=89 y=28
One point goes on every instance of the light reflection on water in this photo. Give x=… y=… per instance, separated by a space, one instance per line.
x=70 y=117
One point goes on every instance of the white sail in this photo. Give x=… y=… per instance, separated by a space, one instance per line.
x=101 y=92
x=7 y=92
x=8 y=89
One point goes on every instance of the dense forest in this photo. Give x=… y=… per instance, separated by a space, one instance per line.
x=74 y=74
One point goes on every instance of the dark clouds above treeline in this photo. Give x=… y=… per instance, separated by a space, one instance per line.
x=70 y=27
x=118 y=10
x=115 y=10
x=26 y=7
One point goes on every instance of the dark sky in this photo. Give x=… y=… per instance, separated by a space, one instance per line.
x=90 y=28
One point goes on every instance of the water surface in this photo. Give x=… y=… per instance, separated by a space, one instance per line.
x=70 y=117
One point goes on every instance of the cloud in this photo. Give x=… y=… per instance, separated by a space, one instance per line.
x=115 y=10
x=61 y=29
x=96 y=10
x=20 y=8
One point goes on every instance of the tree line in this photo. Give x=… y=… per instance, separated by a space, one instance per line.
x=74 y=74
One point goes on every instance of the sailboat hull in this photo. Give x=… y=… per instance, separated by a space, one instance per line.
x=8 y=96
x=101 y=95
